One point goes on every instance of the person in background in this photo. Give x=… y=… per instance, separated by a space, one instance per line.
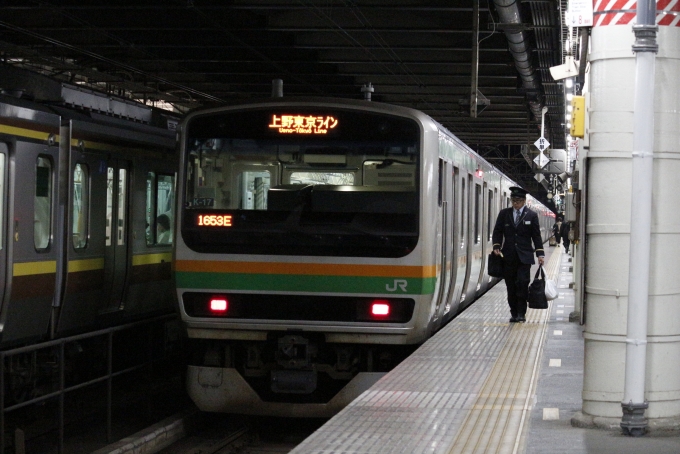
x=557 y=226
x=164 y=234
x=516 y=229
x=564 y=232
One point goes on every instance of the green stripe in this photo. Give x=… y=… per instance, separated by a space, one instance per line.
x=303 y=283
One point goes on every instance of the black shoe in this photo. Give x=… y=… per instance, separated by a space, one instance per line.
x=521 y=319
x=514 y=319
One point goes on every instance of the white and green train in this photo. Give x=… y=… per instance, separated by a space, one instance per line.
x=319 y=242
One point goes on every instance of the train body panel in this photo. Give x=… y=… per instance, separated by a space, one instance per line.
x=77 y=189
x=321 y=240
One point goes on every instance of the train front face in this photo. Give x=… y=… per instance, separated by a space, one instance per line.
x=299 y=267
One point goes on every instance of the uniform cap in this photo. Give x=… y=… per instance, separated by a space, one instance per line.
x=518 y=192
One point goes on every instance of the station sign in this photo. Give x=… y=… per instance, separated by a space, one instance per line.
x=542 y=144
x=541 y=160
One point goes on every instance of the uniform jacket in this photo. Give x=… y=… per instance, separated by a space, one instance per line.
x=511 y=239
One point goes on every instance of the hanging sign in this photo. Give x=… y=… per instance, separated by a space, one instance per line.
x=542 y=144
x=580 y=13
x=541 y=160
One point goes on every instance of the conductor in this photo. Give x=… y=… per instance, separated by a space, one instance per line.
x=515 y=230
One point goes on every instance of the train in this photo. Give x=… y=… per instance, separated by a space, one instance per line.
x=319 y=242
x=84 y=179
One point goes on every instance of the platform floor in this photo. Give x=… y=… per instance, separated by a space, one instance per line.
x=484 y=385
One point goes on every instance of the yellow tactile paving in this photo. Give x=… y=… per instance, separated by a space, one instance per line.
x=497 y=420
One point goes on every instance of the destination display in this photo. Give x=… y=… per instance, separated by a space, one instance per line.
x=303 y=124
x=213 y=220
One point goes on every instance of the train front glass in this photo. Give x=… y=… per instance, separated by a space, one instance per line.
x=302 y=180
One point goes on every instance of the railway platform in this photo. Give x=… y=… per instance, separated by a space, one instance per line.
x=484 y=385
x=480 y=385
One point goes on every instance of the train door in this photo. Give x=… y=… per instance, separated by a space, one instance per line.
x=3 y=220
x=485 y=241
x=27 y=309
x=463 y=239
x=115 y=238
x=450 y=298
x=445 y=245
x=474 y=241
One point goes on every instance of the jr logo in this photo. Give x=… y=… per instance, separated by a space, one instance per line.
x=398 y=283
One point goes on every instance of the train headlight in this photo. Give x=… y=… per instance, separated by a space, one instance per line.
x=218 y=305
x=380 y=308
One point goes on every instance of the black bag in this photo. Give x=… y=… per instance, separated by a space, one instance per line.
x=537 y=299
x=495 y=265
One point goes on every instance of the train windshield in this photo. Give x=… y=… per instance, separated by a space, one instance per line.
x=302 y=181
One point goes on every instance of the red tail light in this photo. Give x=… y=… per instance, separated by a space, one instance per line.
x=218 y=305
x=380 y=308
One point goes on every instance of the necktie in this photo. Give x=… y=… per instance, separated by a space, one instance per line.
x=516 y=216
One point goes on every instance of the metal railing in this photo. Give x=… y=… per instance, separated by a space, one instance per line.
x=60 y=393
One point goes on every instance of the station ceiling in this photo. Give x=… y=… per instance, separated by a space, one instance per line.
x=417 y=53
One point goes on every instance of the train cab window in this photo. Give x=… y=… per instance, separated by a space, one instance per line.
x=301 y=181
x=160 y=200
x=80 y=206
x=42 y=208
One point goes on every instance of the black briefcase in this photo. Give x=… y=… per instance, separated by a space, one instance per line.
x=495 y=265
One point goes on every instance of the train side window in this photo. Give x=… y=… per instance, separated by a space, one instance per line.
x=441 y=182
x=464 y=211
x=42 y=206
x=122 y=197
x=2 y=196
x=478 y=212
x=80 y=206
x=489 y=213
x=160 y=200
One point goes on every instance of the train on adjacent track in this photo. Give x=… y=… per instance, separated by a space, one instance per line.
x=321 y=241
x=84 y=180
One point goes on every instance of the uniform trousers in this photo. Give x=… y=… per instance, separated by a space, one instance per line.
x=517 y=276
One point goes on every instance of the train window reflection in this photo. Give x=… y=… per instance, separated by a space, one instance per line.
x=321 y=177
x=42 y=207
x=81 y=200
x=254 y=188
x=122 y=208
x=160 y=201
x=2 y=197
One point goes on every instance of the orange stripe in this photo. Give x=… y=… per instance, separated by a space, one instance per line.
x=317 y=269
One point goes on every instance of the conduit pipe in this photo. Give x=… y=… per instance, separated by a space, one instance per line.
x=634 y=404
x=508 y=13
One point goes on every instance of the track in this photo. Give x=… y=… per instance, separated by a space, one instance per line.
x=234 y=434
